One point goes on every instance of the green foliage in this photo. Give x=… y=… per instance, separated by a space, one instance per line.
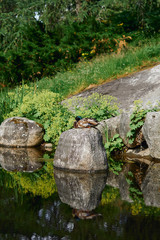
x=41 y=53
x=9 y=100
x=45 y=108
x=94 y=106
x=109 y=195
x=40 y=183
x=67 y=32
x=114 y=144
x=137 y=119
x=134 y=190
x=115 y=165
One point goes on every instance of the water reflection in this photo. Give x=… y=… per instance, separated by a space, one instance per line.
x=151 y=186
x=21 y=159
x=81 y=191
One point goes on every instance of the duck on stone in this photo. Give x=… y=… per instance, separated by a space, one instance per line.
x=85 y=122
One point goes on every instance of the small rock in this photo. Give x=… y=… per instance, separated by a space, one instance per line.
x=20 y=132
x=47 y=145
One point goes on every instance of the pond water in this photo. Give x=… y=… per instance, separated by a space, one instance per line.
x=38 y=202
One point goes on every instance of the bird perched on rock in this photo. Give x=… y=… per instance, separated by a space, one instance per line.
x=85 y=122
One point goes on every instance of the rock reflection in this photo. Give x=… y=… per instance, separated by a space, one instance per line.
x=151 y=186
x=21 y=159
x=119 y=181
x=81 y=191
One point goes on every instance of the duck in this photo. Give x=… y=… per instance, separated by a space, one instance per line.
x=84 y=214
x=85 y=122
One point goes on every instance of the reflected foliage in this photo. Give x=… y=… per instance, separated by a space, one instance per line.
x=40 y=183
x=111 y=197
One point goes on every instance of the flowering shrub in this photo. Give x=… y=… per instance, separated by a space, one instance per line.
x=45 y=108
x=94 y=106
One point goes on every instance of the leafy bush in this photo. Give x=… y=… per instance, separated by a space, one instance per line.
x=94 y=106
x=45 y=108
x=114 y=144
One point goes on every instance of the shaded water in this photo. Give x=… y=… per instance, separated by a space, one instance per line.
x=39 y=203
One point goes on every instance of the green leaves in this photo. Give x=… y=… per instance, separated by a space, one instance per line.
x=137 y=119
x=114 y=144
x=134 y=190
x=45 y=108
x=94 y=106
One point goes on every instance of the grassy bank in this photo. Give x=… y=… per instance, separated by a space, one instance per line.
x=103 y=68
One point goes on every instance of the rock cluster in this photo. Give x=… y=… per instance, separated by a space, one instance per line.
x=148 y=134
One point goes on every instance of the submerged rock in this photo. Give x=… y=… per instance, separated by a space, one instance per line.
x=151 y=186
x=151 y=132
x=80 y=190
x=20 y=159
x=81 y=150
x=20 y=132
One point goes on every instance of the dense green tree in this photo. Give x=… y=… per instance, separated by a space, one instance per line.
x=41 y=37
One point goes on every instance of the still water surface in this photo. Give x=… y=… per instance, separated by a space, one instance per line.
x=39 y=203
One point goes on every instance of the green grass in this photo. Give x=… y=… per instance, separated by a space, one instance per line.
x=103 y=68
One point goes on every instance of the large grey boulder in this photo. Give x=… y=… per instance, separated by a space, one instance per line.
x=151 y=186
x=144 y=85
x=151 y=132
x=20 y=132
x=21 y=159
x=80 y=191
x=81 y=150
